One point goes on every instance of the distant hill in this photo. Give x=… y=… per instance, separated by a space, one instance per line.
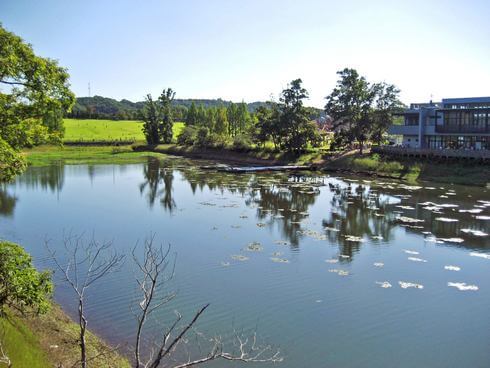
x=98 y=107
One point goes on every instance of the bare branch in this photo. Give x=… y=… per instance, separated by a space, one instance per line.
x=151 y=277
x=85 y=265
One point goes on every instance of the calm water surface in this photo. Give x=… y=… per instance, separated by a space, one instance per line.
x=313 y=289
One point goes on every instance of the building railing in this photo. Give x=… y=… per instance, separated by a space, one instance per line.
x=426 y=152
x=462 y=129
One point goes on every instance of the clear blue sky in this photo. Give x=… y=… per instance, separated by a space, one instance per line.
x=250 y=49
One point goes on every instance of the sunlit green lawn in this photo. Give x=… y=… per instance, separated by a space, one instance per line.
x=107 y=130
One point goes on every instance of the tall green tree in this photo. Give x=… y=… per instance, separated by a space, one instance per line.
x=360 y=110
x=158 y=119
x=386 y=103
x=295 y=130
x=191 y=118
x=232 y=115
x=210 y=118
x=34 y=95
x=221 y=125
x=166 y=127
x=201 y=115
x=152 y=120
x=242 y=117
x=267 y=124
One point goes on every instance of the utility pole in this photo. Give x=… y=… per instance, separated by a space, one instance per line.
x=89 y=89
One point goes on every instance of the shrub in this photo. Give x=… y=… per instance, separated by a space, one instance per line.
x=21 y=285
x=203 y=138
x=187 y=136
x=242 y=142
x=217 y=141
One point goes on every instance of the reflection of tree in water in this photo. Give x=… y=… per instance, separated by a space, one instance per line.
x=425 y=207
x=280 y=198
x=283 y=204
x=7 y=202
x=353 y=213
x=46 y=177
x=156 y=173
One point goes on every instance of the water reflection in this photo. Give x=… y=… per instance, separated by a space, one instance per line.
x=357 y=212
x=352 y=211
x=48 y=178
x=7 y=202
x=158 y=182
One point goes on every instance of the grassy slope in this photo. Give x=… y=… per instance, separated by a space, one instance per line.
x=413 y=170
x=47 y=340
x=21 y=345
x=100 y=130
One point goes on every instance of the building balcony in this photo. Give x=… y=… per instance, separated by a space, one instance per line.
x=456 y=129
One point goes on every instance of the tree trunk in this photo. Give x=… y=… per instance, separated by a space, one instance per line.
x=83 y=327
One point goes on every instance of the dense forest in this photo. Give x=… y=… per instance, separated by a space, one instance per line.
x=98 y=107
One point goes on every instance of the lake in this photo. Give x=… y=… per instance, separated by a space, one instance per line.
x=337 y=271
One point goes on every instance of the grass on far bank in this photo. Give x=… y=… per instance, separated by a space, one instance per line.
x=71 y=155
x=107 y=130
x=413 y=170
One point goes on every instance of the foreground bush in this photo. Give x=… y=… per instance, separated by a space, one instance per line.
x=11 y=162
x=21 y=286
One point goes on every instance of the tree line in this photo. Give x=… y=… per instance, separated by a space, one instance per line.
x=36 y=95
x=359 y=111
x=98 y=107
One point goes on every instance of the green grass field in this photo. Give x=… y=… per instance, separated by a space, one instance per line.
x=107 y=130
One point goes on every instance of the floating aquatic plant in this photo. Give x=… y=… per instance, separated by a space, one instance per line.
x=406 y=285
x=480 y=255
x=474 y=232
x=462 y=286
x=384 y=284
x=446 y=219
x=254 y=247
x=239 y=257
x=452 y=268
x=415 y=259
x=279 y=260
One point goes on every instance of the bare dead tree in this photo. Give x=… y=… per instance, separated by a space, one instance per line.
x=84 y=265
x=155 y=271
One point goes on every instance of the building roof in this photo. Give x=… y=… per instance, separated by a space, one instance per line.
x=466 y=100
